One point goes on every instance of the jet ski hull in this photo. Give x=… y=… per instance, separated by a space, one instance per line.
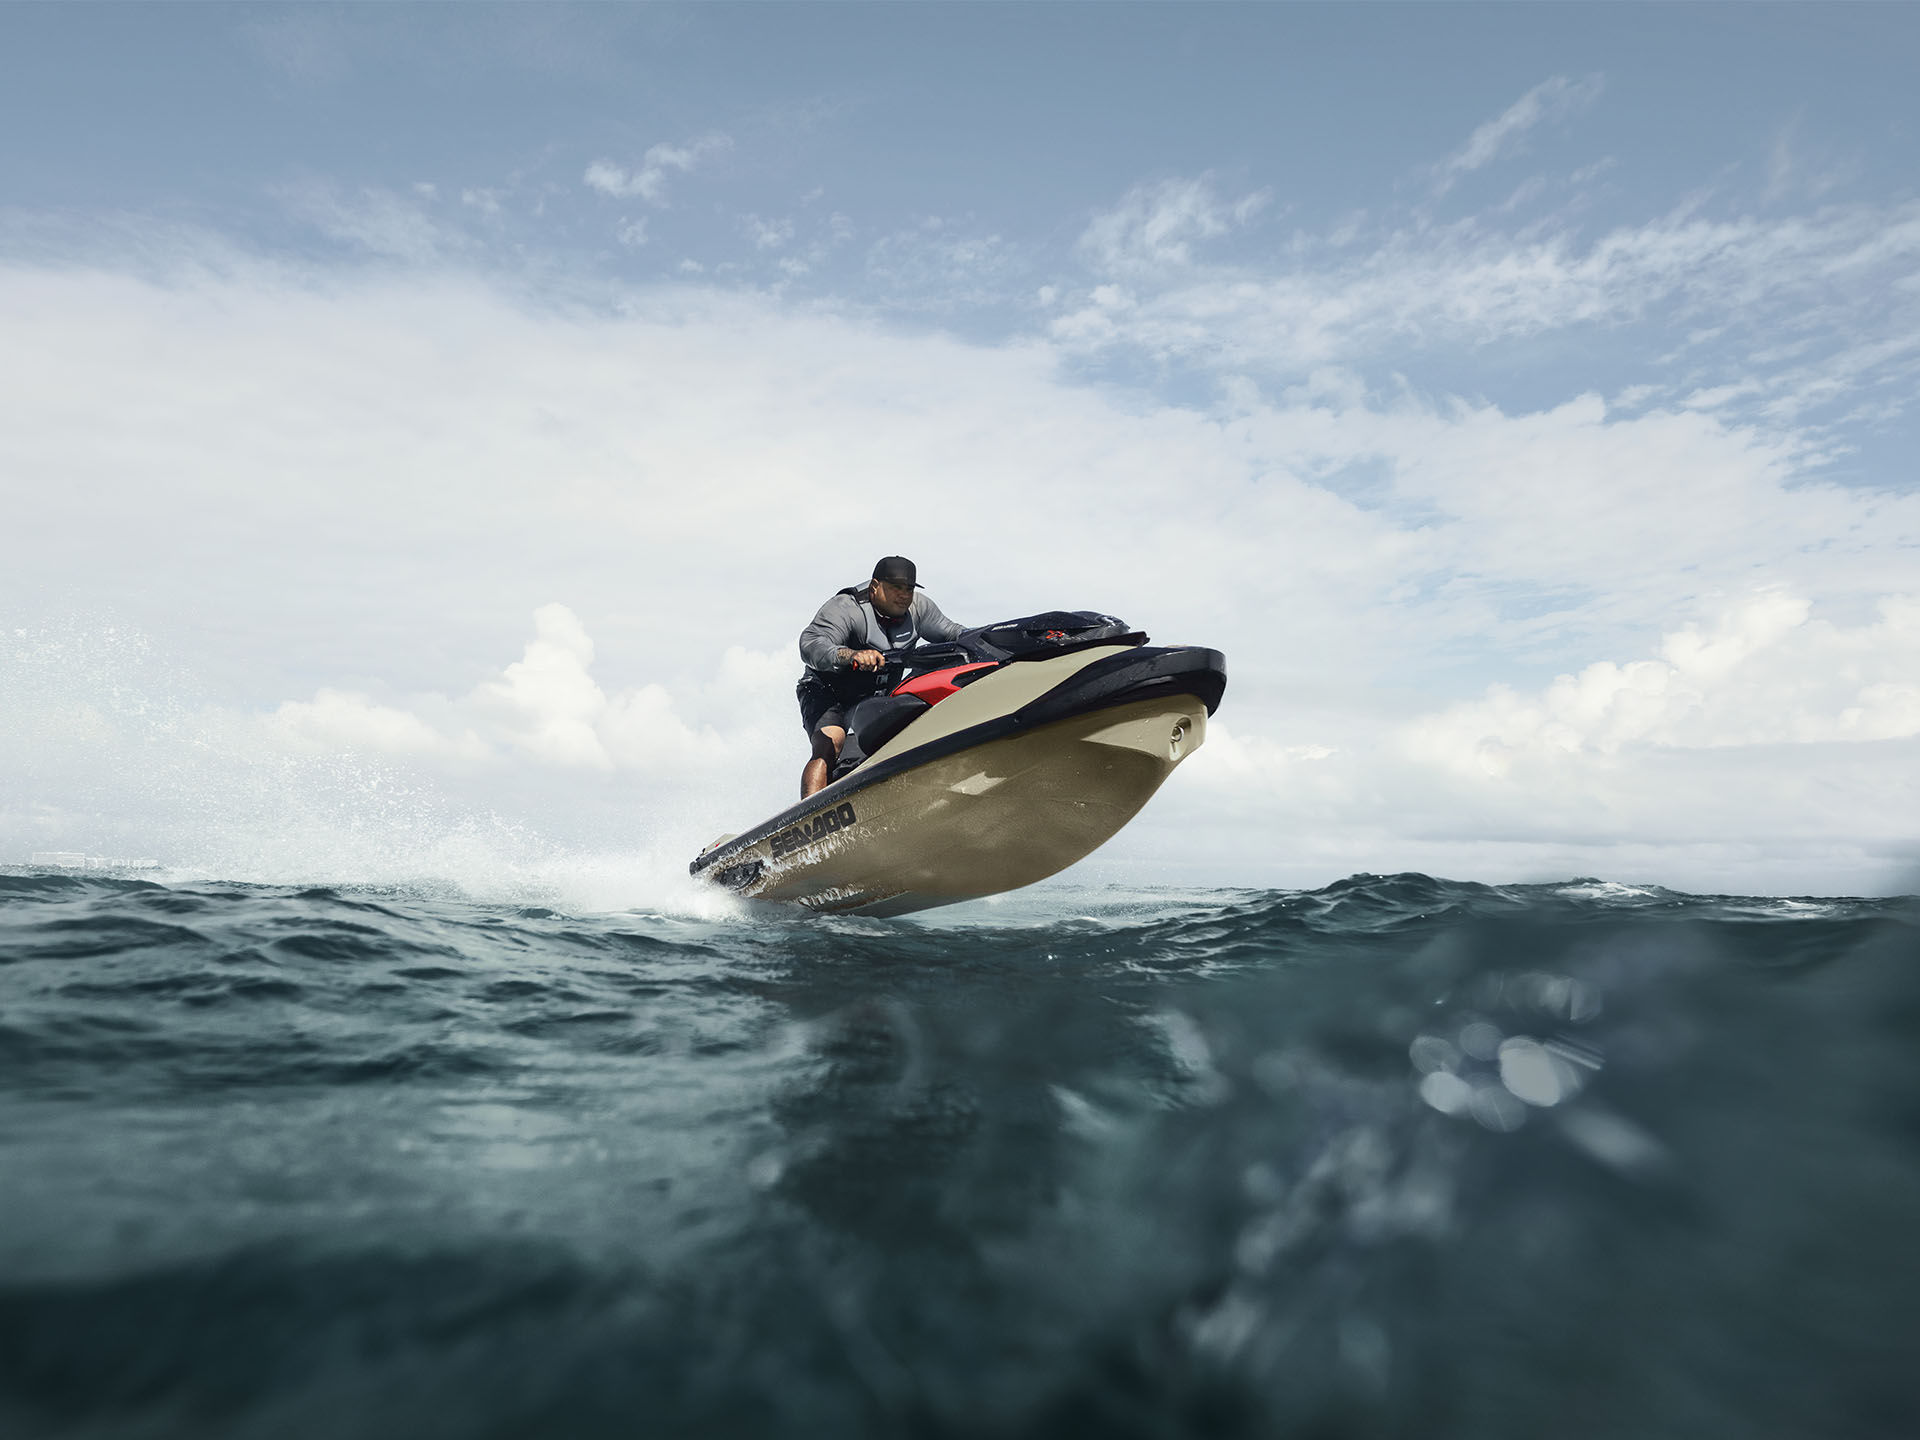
x=954 y=811
x=983 y=820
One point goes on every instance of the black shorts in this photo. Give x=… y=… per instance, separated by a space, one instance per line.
x=820 y=706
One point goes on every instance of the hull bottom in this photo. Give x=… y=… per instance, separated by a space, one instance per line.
x=981 y=821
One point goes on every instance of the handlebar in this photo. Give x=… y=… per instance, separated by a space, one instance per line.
x=926 y=657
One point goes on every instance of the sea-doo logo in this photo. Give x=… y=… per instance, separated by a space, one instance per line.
x=819 y=828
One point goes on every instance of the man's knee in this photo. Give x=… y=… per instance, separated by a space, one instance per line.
x=827 y=741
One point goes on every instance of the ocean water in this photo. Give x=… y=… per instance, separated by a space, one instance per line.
x=1398 y=1157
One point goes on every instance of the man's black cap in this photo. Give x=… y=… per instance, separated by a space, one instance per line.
x=896 y=570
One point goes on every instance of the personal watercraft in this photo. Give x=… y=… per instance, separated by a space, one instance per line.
x=983 y=764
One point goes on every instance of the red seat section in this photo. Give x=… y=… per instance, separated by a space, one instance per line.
x=936 y=685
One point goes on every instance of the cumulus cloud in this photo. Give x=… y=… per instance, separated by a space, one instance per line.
x=1764 y=748
x=336 y=719
x=648 y=180
x=1764 y=674
x=1551 y=100
x=547 y=701
x=601 y=460
x=1251 y=764
x=446 y=457
x=545 y=707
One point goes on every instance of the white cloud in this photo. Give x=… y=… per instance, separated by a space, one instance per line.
x=1799 y=167
x=609 y=179
x=1255 y=763
x=336 y=719
x=1765 y=749
x=1826 y=292
x=374 y=220
x=384 y=474
x=648 y=180
x=546 y=707
x=633 y=233
x=547 y=700
x=1763 y=675
x=1155 y=226
x=1564 y=516
x=1552 y=99
x=940 y=267
x=694 y=414
x=767 y=234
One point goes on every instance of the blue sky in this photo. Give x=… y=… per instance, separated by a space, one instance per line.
x=1523 y=396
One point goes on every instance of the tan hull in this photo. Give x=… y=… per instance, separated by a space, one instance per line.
x=989 y=818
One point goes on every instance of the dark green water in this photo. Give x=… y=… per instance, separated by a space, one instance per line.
x=1400 y=1157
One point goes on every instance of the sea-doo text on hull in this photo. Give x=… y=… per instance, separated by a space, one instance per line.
x=988 y=763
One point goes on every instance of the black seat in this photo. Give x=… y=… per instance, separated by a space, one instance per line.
x=872 y=723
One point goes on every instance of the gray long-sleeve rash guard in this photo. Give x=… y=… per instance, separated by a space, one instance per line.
x=851 y=620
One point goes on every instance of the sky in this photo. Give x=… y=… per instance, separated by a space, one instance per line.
x=425 y=430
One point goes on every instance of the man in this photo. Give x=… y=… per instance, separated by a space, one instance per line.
x=842 y=650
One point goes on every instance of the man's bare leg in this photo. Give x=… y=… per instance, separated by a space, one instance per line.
x=827 y=741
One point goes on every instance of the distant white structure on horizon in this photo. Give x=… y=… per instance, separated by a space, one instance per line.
x=75 y=860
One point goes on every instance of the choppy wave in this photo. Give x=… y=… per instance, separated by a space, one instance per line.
x=1395 y=1157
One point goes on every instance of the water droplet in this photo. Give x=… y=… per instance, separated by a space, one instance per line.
x=1480 y=1039
x=1446 y=1092
x=1433 y=1052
